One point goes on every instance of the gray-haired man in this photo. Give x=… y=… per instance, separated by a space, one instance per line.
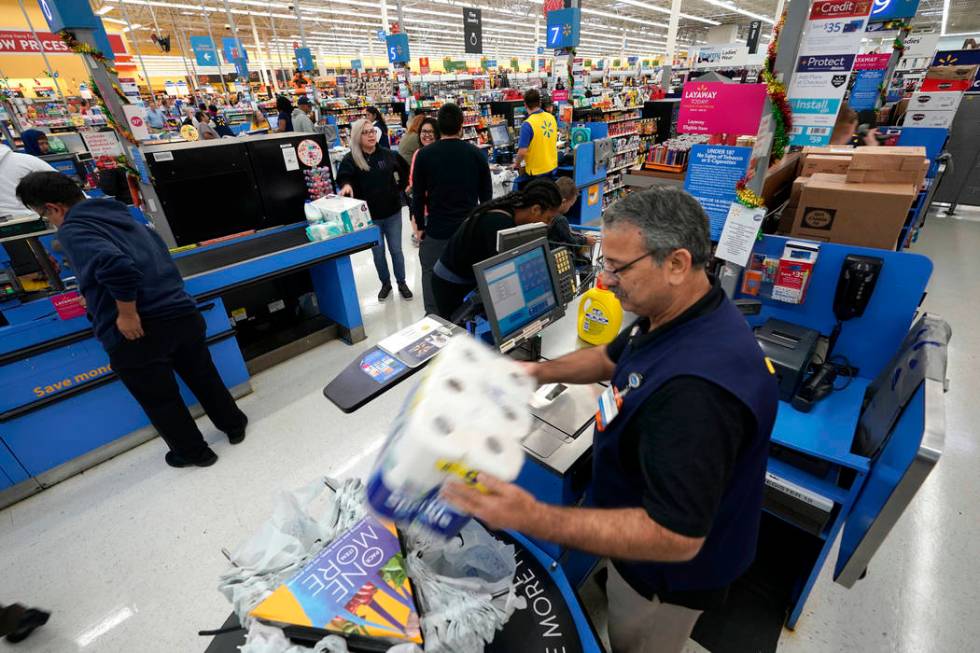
x=679 y=471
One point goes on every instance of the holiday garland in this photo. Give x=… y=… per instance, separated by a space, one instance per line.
x=782 y=118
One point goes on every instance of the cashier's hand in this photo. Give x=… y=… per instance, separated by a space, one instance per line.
x=347 y=191
x=503 y=506
x=532 y=370
x=130 y=326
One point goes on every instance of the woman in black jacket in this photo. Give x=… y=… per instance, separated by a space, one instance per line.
x=378 y=176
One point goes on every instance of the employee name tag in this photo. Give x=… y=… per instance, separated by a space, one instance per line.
x=611 y=400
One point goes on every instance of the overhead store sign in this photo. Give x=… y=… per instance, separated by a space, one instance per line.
x=893 y=9
x=68 y=14
x=304 y=59
x=472 y=31
x=397 y=46
x=828 y=48
x=752 y=40
x=732 y=54
x=563 y=28
x=233 y=49
x=204 y=51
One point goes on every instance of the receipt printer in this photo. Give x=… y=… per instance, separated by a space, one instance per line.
x=790 y=347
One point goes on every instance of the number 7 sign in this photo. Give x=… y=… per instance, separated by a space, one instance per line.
x=563 y=28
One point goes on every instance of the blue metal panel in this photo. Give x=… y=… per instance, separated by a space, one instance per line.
x=63 y=430
x=11 y=471
x=827 y=431
x=584 y=161
x=869 y=341
x=209 y=282
x=336 y=291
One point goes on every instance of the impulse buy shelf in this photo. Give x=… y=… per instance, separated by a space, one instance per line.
x=53 y=370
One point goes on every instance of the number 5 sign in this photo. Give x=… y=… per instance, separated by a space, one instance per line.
x=397 y=45
x=563 y=28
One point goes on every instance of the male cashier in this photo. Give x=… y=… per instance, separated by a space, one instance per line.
x=679 y=469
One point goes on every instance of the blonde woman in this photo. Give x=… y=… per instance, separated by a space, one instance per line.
x=378 y=176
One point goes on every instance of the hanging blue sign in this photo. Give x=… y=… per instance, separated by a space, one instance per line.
x=233 y=49
x=68 y=14
x=241 y=67
x=381 y=35
x=540 y=49
x=304 y=59
x=357 y=64
x=563 y=28
x=866 y=89
x=204 y=51
x=893 y=9
x=397 y=46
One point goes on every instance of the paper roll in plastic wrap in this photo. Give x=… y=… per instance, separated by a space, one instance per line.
x=467 y=415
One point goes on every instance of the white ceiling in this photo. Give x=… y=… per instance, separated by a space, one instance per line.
x=348 y=27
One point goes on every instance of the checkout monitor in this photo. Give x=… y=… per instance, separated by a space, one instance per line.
x=519 y=289
x=500 y=136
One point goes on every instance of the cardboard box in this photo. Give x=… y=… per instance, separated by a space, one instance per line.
x=867 y=214
x=834 y=150
x=938 y=101
x=952 y=73
x=888 y=165
x=833 y=164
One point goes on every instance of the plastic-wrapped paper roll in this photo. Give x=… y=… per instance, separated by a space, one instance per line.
x=502 y=457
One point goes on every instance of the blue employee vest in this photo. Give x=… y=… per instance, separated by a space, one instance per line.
x=718 y=347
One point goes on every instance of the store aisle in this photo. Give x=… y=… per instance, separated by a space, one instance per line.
x=128 y=554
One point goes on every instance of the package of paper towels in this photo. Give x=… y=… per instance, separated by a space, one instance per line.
x=467 y=415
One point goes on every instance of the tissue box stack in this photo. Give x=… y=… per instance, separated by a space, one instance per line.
x=337 y=216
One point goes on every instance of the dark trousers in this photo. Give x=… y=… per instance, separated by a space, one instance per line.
x=146 y=366
x=10 y=616
x=430 y=251
x=449 y=296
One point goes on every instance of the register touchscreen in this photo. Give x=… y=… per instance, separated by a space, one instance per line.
x=521 y=290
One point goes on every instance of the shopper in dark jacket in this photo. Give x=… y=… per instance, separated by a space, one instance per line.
x=141 y=313
x=285 y=109
x=372 y=114
x=378 y=176
x=450 y=178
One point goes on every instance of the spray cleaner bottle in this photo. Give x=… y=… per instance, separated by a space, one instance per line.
x=600 y=315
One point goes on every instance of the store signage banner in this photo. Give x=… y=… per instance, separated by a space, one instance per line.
x=397 y=46
x=357 y=64
x=959 y=58
x=828 y=49
x=892 y=9
x=241 y=67
x=423 y=65
x=733 y=54
x=304 y=59
x=17 y=42
x=752 y=40
x=204 y=51
x=68 y=14
x=866 y=88
x=563 y=28
x=233 y=49
x=720 y=108
x=871 y=61
x=102 y=143
x=472 y=31
x=920 y=45
x=712 y=172
x=136 y=117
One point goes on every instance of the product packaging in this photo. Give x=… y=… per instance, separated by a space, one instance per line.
x=888 y=165
x=468 y=414
x=794 y=271
x=352 y=213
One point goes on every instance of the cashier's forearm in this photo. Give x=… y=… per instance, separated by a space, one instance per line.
x=582 y=366
x=622 y=533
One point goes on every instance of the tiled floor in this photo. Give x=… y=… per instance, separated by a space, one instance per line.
x=127 y=555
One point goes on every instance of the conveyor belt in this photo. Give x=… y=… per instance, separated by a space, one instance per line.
x=192 y=263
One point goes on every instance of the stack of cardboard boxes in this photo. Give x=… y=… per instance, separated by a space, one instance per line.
x=854 y=196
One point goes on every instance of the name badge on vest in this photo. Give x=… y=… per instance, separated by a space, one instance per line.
x=611 y=400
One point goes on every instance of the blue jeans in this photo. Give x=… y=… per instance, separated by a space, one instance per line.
x=391 y=231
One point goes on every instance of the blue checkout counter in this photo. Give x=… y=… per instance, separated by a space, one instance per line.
x=62 y=409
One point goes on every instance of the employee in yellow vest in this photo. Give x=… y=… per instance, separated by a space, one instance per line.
x=537 y=147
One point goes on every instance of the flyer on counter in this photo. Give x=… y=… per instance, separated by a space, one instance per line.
x=381 y=366
x=356 y=587
x=417 y=343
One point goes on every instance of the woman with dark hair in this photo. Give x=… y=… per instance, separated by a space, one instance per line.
x=409 y=143
x=285 y=109
x=35 y=142
x=375 y=117
x=476 y=239
x=428 y=133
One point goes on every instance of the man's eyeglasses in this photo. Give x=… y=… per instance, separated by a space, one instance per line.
x=617 y=272
x=42 y=212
